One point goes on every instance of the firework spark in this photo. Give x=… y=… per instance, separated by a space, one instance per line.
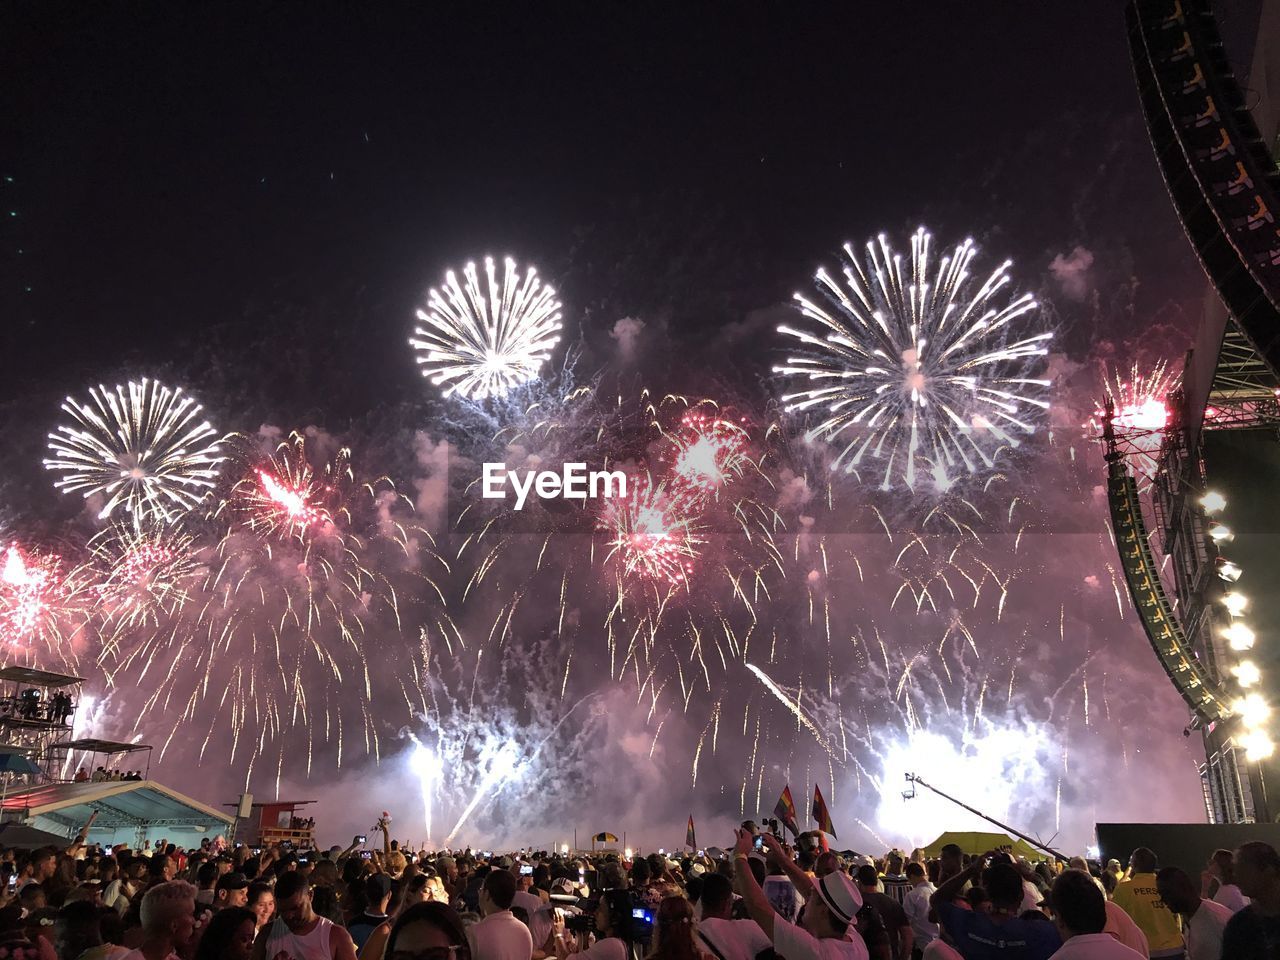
x=145 y=570
x=649 y=535
x=42 y=605
x=917 y=370
x=276 y=648
x=482 y=340
x=1141 y=412
x=144 y=448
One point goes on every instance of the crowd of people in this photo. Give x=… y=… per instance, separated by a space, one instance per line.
x=758 y=899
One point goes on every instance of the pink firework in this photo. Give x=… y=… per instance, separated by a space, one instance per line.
x=649 y=534
x=709 y=452
x=144 y=569
x=37 y=601
x=287 y=496
x=1141 y=412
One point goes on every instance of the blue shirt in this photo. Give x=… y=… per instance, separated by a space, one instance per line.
x=978 y=937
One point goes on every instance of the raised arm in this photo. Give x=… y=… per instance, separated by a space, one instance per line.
x=76 y=844
x=748 y=887
x=778 y=857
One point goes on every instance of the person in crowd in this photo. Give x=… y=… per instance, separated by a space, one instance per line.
x=1121 y=926
x=168 y=918
x=673 y=933
x=973 y=930
x=297 y=931
x=377 y=897
x=231 y=890
x=1218 y=882
x=894 y=881
x=1253 y=932
x=724 y=937
x=1140 y=899
x=206 y=881
x=262 y=902
x=896 y=922
x=77 y=934
x=826 y=930
x=1079 y=913
x=613 y=920
x=229 y=936
x=1203 y=921
x=916 y=906
x=499 y=936
x=426 y=930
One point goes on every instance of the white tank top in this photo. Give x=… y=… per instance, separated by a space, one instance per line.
x=313 y=946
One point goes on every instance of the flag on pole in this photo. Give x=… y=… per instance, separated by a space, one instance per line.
x=820 y=814
x=690 y=840
x=785 y=810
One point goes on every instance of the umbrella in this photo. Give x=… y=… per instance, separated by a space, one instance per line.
x=604 y=838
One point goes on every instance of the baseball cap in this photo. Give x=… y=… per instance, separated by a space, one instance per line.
x=232 y=881
x=377 y=886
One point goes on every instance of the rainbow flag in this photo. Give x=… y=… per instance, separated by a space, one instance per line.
x=785 y=810
x=820 y=813
x=690 y=840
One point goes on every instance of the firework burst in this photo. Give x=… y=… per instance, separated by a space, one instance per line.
x=1141 y=412
x=145 y=570
x=918 y=372
x=144 y=448
x=649 y=535
x=42 y=604
x=276 y=650
x=482 y=338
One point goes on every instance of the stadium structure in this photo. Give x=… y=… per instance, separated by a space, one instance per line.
x=1211 y=606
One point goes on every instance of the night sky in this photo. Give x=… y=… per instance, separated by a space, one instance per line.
x=253 y=202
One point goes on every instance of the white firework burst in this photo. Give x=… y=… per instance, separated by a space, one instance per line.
x=145 y=448
x=919 y=371
x=482 y=338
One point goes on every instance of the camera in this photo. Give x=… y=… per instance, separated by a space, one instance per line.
x=584 y=922
x=641 y=925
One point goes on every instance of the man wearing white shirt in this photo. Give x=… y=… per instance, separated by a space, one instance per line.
x=499 y=936
x=1202 y=920
x=916 y=905
x=831 y=903
x=1080 y=913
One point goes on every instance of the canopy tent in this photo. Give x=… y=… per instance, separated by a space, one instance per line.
x=19 y=836
x=979 y=843
x=129 y=812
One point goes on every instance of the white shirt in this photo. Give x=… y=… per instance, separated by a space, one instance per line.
x=311 y=946
x=793 y=943
x=916 y=904
x=610 y=948
x=1095 y=946
x=733 y=939
x=1229 y=896
x=500 y=936
x=540 y=916
x=1203 y=932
